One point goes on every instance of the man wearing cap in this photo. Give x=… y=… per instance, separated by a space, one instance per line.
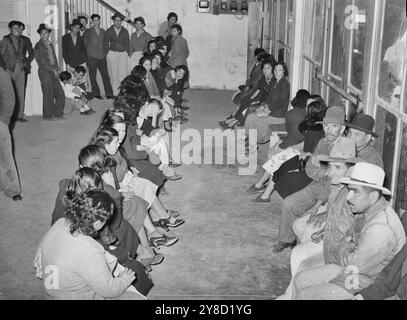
x=375 y=237
x=11 y=48
x=9 y=180
x=331 y=225
x=138 y=42
x=48 y=72
x=73 y=48
x=117 y=46
x=93 y=38
x=317 y=192
x=361 y=131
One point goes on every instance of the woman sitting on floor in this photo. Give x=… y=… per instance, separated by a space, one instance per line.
x=73 y=264
x=258 y=97
x=118 y=237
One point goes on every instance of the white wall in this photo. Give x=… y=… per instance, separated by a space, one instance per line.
x=218 y=44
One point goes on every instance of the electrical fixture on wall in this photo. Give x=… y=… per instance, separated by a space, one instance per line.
x=224 y=5
x=204 y=6
x=244 y=6
x=233 y=6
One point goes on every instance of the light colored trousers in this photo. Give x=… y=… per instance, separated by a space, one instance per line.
x=18 y=80
x=305 y=255
x=263 y=126
x=313 y=284
x=134 y=60
x=117 y=65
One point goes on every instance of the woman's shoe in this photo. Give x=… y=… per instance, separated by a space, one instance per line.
x=173 y=214
x=174 y=165
x=175 y=177
x=165 y=240
x=230 y=117
x=185 y=108
x=175 y=223
x=162 y=223
x=158 y=258
x=259 y=199
x=253 y=189
x=168 y=130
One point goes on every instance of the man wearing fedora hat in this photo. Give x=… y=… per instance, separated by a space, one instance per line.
x=361 y=131
x=375 y=237
x=117 y=46
x=73 y=47
x=48 y=72
x=317 y=192
x=331 y=224
x=138 y=42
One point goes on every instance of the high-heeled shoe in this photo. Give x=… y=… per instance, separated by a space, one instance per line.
x=161 y=224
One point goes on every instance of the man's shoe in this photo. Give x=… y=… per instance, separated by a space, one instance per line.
x=174 y=165
x=22 y=120
x=175 y=177
x=91 y=111
x=99 y=97
x=17 y=198
x=111 y=97
x=281 y=246
x=185 y=108
x=253 y=189
x=259 y=199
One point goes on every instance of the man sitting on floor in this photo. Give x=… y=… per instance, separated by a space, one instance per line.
x=376 y=236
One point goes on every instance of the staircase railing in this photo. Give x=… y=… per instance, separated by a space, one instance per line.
x=99 y=7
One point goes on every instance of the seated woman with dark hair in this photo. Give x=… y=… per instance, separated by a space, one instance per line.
x=149 y=80
x=78 y=265
x=293 y=140
x=123 y=179
x=118 y=237
x=175 y=81
x=258 y=96
x=277 y=101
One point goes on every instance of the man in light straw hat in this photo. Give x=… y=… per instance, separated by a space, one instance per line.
x=331 y=225
x=317 y=192
x=376 y=236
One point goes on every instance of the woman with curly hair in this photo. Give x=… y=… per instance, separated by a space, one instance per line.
x=72 y=263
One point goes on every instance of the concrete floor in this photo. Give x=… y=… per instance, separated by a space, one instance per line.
x=224 y=250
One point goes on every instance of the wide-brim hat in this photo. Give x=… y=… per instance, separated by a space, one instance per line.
x=363 y=122
x=343 y=150
x=334 y=114
x=367 y=175
x=42 y=27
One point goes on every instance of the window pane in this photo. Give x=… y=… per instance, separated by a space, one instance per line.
x=283 y=19
x=315 y=86
x=363 y=16
x=401 y=194
x=334 y=97
x=337 y=66
x=290 y=24
x=308 y=27
x=318 y=28
x=386 y=128
x=393 y=48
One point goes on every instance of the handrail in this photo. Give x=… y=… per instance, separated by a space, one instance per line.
x=114 y=10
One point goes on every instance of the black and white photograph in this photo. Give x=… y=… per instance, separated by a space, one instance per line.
x=203 y=150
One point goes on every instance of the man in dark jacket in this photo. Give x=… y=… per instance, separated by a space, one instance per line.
x=117 y=47
x=11 y=48
x=9 y=180
x=73 y=47
x=27 y=50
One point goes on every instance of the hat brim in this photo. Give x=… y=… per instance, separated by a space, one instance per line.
x=350 y=125
x=40 y=30
x=331 y=121
x=325 y=158
x=348 y=181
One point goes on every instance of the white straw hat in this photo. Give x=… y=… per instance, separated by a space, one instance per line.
x=368 y=175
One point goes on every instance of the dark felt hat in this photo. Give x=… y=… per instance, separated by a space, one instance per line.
x=76 y=22
x=43 y=26
x=141 y=19
x=117 y=15
x=364 y=123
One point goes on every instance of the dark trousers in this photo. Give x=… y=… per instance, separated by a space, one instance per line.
x=95 y=64
x=53 y=100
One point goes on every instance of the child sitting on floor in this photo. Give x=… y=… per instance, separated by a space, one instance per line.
x=75 y=97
